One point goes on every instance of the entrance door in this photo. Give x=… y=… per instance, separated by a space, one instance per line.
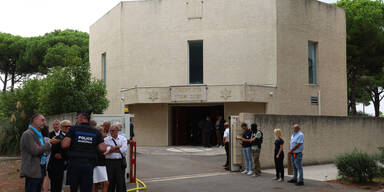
x=186 y=124
x=179 y=126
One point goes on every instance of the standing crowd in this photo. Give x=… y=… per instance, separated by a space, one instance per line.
x=84 y=155
x=252 y=140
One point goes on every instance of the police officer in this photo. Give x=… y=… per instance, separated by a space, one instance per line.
x=83 y=141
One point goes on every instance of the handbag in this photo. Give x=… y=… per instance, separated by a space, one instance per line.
x=124 y=160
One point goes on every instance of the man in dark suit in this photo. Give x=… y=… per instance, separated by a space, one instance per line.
x=58 y=160
x=56 y=129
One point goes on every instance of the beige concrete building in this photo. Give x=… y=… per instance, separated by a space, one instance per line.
x=171 y=62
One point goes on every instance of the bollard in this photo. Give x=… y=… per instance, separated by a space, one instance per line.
x=132 y=161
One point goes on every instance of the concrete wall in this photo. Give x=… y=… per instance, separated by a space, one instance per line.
x=67 y=116
x=146 y=43
x=243 y=107
x=324 y=136
x=300 y=21
x=151 y=124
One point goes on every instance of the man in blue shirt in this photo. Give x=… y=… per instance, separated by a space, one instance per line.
x=296 y=151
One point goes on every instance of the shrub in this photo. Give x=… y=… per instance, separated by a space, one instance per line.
x=358 y=166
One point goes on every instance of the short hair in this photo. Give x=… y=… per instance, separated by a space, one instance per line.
x=64 y=121
x=244 y=124
x=254 y=127
x=93 y=123
x=117 y=125
x=34 y=117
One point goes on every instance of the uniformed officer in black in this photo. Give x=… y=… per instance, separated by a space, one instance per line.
x=83 y=141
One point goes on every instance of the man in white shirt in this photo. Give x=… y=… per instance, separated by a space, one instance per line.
x=226 y=144
x=114 y=155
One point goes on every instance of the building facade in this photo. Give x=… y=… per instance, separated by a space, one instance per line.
x=173 y=62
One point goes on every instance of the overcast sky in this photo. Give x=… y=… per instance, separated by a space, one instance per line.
x=36 y=17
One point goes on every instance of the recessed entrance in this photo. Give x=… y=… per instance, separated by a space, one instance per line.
x=186 y=123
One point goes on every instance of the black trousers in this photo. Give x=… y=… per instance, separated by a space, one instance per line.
x=80 y=174
x=279 y=165
x=227 y=153
x=207 y=139
x=115 y=175
x=56 y=176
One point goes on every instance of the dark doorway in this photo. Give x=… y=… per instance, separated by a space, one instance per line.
x=195 y=62
x=187 y=120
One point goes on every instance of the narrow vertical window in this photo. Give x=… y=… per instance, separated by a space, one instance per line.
x=104 y=67
x=196 y=62
x=312 y=62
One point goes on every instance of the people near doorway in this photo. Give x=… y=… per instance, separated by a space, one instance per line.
x=256 y=141
x=100 y=178
x=56 y=129
x=226 y=140
x=279 y=154
x=84 y=142
x=58 y=160
x=219 y=128
x=247 y=150
x=114 y=155
x=207 y=128
x=296 y=151
x=32 y=147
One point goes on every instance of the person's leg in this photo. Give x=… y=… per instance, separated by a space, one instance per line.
x=299 y=166
x=119 y=175
x=218 y=137
x=245 y=159
x=250 y=159
x=294 y=167
x=276 y=166
x=111 y=179
x=256 y=159
x=86 y=178
x=227 y=153
x=123 y=180
x=73 y=177
x=105 y=186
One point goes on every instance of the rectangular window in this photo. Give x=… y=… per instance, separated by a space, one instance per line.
x=312 y=62
x=104 y=67
x=195 y=62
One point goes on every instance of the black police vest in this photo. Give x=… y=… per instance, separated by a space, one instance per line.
x=84 y=143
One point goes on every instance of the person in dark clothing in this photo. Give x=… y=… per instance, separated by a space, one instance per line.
x=56 y=129
x=100 y=177
x=226 y=140
x=219 y=130
x=58 y=160
x=84 y=142
x=131 y=130
x=207 y=128
x=279 y=155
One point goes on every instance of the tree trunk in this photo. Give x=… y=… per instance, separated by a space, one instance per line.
x=13 y=80
x=5 y=81
x=376 y=101
x=353 y=98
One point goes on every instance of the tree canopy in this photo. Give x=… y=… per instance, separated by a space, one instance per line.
x=365 y=48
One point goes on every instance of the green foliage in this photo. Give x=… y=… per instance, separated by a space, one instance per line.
x=365 y=45
x=76 y=90
x=66 y=87
x=358 y=166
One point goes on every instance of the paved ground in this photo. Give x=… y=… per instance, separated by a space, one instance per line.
x=181 y=171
